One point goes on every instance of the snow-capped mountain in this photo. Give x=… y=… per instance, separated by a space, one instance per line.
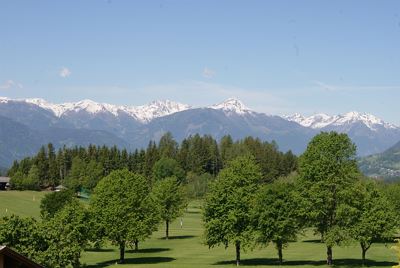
x=232 y=106
x=144 y=113
x=156 y=109
x=86 y=121
x=320 y=121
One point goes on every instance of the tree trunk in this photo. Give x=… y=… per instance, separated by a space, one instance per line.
x=363 y=256
x=76 y=263
x=122 y=252
x=364 y=249
x=329 y=255
x=167 y=229
x=280 y=256
x=237 y=245
x=136 y=245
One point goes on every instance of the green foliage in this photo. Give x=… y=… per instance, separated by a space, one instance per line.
x=197 y=185
x=17 y=180
x=84 y=166
x=54 y=202
x=328 y=175
x=376 y=219
x=66 y=235
x=121 y=204
x=392 y=193
x=275 y=215
x=226 y=210
x=24 y=235
x=171 y=199
x=84 y=174
x=20 y=181
x=167 y=146
x=168 y=167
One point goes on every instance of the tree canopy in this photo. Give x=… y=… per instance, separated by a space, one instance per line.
x=119 y=204
x=275 y=215
x=227 y=205
x=171 y=199
x=328 y=173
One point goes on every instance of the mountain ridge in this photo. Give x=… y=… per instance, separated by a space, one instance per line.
x=77 y=123
x=159 y=108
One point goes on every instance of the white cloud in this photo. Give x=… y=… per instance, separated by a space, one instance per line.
x=208 y=73
x=10 y=84
x=64 y=72
x=329 y=87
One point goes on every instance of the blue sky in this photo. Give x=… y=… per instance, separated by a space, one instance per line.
x=278 y=57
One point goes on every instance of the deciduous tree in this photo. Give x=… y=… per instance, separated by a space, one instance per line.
x=227 y=206
x=328 y=173
x=171 y=198
x=275 y=215
x=120 y=203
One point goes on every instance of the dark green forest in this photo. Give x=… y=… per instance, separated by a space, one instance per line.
x=198 y=157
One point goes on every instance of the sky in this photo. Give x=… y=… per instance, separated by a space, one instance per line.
x=278 y=57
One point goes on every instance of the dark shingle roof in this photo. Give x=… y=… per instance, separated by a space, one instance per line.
x=6 y=251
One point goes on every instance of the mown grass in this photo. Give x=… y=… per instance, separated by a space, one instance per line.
x=185 y=247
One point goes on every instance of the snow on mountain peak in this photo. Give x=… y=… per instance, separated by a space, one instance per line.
x=144 y=113
x=4 y=99
x=318 y=121
x=155 y=109
x=232 y=105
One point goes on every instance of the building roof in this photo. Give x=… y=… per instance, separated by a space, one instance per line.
x=5 y=179
x=6 y=251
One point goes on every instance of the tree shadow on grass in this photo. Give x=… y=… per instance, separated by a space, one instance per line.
x=148 y=250
x=193 y=212
x=143 y=260
x=99 y=250
x=337 y=262
x=312 y=241
x=178 y=237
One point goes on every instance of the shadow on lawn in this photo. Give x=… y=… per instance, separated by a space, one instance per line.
x=312 y=241
x=337 y=262
x=143 y=260
x=99 y=250
x=148 y=250
x=193 y=212
x=178 y=237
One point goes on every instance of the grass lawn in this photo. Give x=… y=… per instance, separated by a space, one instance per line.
x=185 y=248
x=22 y=203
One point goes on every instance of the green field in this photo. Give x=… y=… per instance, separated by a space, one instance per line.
x=185 y=248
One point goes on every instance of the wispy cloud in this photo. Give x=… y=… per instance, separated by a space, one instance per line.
x=64 y=72
x=329 y=87
x=10 y=84
x=200 y=94
x=208 y=73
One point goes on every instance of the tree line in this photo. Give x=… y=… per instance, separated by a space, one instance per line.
x=196 y=155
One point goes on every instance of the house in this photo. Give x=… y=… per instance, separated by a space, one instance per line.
x=11 y=259
x=4 y=183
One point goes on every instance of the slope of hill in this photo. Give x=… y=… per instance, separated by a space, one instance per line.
x=384 y=165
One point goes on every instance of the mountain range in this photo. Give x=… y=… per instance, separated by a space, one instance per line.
x=26 y=124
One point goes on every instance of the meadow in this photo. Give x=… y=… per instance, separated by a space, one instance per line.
x=185 y=247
